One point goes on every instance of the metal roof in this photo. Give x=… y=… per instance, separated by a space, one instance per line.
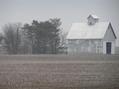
x=85 y=31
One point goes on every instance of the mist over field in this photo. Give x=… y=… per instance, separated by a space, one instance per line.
x=59 y=44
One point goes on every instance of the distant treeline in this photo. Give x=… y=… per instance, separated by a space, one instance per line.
x=44 y=37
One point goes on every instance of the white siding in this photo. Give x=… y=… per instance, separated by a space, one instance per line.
x=109 y=37
x=85 y=46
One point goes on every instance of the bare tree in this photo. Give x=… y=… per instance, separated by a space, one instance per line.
x=12 y=38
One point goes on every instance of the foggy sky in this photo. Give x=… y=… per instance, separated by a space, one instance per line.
x=69 y=11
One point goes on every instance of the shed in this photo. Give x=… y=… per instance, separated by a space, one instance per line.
x=92 y=36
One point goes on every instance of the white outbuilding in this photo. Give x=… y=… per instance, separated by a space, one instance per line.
x=91 y=37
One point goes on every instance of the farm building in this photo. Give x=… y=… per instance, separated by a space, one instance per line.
x=91 y=37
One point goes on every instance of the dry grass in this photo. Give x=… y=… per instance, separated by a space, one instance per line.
x=59 y=72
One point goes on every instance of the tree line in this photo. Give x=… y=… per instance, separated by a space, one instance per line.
x=39 y=37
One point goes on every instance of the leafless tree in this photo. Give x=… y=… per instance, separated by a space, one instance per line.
x=12 y=38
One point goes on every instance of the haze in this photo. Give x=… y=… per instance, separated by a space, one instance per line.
x=70 y=11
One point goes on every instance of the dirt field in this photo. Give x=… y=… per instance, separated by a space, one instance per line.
x=59 y=72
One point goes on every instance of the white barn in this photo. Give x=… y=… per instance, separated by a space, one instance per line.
x=91 y=37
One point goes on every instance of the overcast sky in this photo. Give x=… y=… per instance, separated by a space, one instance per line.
x=69 y=11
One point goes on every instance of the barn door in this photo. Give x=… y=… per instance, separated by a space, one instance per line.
x=108 y=47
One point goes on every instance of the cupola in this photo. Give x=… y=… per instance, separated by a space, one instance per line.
x=92 y=19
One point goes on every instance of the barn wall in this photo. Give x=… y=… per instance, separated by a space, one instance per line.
x=117 y=50
x=109 y=37
x=85 y=46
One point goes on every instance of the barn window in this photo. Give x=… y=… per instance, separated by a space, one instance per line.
x=98 y=47
x=77 y=41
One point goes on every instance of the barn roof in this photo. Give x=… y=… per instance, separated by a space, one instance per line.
x=85 y=31
x=94 y=16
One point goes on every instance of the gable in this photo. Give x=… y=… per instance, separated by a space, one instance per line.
x=110 y=35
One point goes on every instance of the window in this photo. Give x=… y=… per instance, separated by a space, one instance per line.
x=98 y=47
